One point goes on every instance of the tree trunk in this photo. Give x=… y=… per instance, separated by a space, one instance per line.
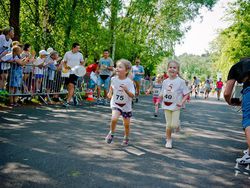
x=14 y=17
x=69 y=26
x=37 y=24
x=113 y=22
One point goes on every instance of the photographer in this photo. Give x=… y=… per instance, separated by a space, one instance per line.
x=240 y=72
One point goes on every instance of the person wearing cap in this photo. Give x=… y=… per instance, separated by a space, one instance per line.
x=240 y=72
x=70 y=60
x=5 y=48
x=50 y=63
x=39 y=69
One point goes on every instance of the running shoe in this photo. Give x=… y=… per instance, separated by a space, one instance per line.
x=246 y=151
x=155 y=114
x=66 y=104
x=169 y=144
x=136 y=100
x=244 y=160
x=125 y=142
x=109 y=138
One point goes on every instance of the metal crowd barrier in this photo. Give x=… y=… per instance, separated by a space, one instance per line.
x=32 y=80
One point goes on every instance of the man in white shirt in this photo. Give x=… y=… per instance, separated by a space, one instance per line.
x=71 y=59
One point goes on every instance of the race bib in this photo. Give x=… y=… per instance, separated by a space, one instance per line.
x=169 y=98
x=120 y=98
x=156 y=91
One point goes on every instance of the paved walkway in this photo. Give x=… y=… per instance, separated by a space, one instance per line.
x=49 y=146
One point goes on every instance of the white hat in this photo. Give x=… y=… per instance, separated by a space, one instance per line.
x=43 y=52
x=49 y=50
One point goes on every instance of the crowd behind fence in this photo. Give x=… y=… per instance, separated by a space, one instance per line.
x=42 y=81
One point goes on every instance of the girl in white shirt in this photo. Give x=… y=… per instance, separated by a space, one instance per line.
x=121 y=93
x=174 y=93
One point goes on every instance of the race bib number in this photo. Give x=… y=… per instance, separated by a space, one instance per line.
x=169 y=98
x=156 y=91
x=120 y=98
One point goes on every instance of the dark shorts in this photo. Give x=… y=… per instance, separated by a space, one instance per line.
x=124 y=114
x=71 y=79
x=4 y=71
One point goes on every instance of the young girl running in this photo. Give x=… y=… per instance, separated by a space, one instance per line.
x=121 y=93
x=174 y=93
x=156 y=88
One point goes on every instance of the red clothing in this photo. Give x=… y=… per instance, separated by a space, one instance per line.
x=91 y=68
x=219 y=84
x=165 y=76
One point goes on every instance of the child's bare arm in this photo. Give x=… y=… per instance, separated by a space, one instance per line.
x=130 y=94
x=185 y=97
x=110 y=93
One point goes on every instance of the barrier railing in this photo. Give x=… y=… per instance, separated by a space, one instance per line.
x=42 y=81
x=32 y=80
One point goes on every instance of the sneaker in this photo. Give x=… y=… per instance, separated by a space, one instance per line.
x=125 y=142
x=136 y=100
x=155 y=114
x=109 y=138
x=244 y=160
x=246 y=151
x=66 y=104
x=169 y=144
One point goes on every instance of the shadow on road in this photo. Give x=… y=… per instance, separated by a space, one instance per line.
x=49 y=146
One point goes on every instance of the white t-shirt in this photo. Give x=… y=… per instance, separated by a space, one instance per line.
x=172 y=92
x=4 y=44
x=73 y=59
x=38 y=70
x=6 y=58
x=120 y=99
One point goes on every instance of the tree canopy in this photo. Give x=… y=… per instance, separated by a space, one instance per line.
x=233 y=43
x=129 y=28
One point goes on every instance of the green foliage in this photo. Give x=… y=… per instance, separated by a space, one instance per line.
x=135 y=28
x=233 y=43
x=191 y=65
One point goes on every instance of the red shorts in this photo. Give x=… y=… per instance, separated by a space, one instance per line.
x=156 y=100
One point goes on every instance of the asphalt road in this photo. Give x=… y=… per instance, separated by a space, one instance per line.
x=49 y=146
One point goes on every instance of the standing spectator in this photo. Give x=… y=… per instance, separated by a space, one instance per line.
x=138 y=72
x=219 y=85
x=90 y=68
x=39 y=69
x=5 y=47
x=72 y=59
x=105 y=68
x=28 y=69
x=51 y=62
x=17 y=72
x=240 y=72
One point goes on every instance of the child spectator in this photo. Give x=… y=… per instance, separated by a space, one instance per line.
x=39 y=69
x=16 y=73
